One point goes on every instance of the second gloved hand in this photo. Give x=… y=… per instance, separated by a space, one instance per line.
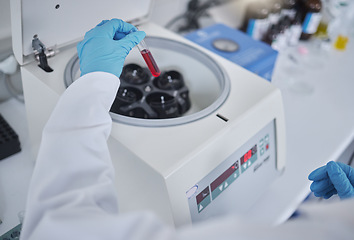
x=334 y=178
x=105 y=47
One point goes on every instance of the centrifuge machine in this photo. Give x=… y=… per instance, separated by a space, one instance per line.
x=204 y=139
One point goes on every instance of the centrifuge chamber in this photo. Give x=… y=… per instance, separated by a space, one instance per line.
x=216 y=159
x=206 y=83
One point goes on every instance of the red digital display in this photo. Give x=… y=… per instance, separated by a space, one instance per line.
x=224 y=176
x=248 y=154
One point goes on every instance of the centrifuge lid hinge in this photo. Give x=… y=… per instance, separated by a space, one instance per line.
x=42 y=53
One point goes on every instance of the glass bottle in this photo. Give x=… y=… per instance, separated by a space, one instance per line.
x=275 y=8
x=286 y=21
x=271 y=36
x=310 y=11
x=289 y=8
x=256 y=21
x=282 y=36
x=295 y=31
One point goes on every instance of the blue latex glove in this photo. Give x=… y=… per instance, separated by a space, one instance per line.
x=106 y=46
x=334 y=178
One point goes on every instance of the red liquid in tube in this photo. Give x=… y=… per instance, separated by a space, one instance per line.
x=149 y=59
x=150 y=62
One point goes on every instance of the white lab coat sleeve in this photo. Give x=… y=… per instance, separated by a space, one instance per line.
x=72 y=193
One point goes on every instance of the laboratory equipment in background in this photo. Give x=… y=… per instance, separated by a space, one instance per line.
x=278 y=22
x=295 y=31
x=256 y=21
x=9 y=140
x=237 y=47
x=195 y=16
x=310 y=11
x=288 y=8
x=337 y=22
x=275 y=8
x=216 y=158
x=330 y=10
x=260 y=16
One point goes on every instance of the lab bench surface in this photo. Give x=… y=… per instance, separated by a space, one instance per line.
x=317 y=90
x=318 y=95
x=15 y=170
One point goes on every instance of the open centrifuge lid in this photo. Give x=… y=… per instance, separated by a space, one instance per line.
x=64 y=22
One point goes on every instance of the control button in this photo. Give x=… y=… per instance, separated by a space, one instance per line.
x=266 y=138
x=204 y=203
x=262 y=151
x=267 y=146
x=200 y=207
x=261 y=143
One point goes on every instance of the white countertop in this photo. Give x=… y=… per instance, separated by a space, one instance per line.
x=320 y=125
x=16 y=170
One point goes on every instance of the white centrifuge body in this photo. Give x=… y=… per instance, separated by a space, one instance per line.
x=217 y=159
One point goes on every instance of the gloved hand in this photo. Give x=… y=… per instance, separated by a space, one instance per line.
x=106 y=46
x=335 y=177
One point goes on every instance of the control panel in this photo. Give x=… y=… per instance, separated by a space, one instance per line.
x=236 y=184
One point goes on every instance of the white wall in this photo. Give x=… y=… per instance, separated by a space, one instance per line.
x=165 y=10
x=231 y=13
x=6 y=49
x=5 y=23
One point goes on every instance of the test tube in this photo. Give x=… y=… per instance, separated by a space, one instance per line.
x=148 y=58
